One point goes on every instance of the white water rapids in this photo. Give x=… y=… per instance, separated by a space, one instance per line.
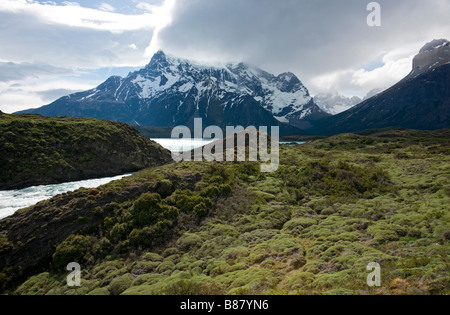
x=13 y=200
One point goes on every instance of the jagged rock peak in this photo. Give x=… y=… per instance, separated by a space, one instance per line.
x=158 y=61
x=171 y=91
x=433 y=55
x=434 y=44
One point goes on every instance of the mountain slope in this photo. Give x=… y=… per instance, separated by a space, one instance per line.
x=419 y=101
x=39 y=150
x=169 y=92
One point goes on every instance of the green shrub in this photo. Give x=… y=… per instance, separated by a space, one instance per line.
x=99 y=291
x=170 y=252
x=144 y=267
x=119 y=232
x=223 y=229
x=340 y=291
x=383 y=233
x=73 y=249
x=248 y=281
x=120 y=284
x=235 y=253
x=37 y=285
x=216 y=190
x=299 y=281
x=145 y=210
x=164 y=187
x=297 y=225
x=186 y=201
x=281 y=245
x=188 y=241
x=257 y=236
x=142 y=237
x=166 y=266
x=152 y=257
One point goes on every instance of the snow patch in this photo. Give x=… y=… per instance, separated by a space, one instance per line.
x=282 y=119
x=151 y=86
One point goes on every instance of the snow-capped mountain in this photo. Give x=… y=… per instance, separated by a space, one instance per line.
x=170 y=92
x=334 y=103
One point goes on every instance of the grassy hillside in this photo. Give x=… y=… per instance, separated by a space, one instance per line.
x=312 y=227
x=40 y=150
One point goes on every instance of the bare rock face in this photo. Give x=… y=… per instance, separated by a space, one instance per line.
x=433 y=55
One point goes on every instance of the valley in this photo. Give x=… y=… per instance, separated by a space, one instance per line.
x=335 y=205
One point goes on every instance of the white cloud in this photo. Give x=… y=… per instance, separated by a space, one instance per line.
x=73 y=15
x=106 y=7
x=165 y=13
x=395 y=66
x=10 y=71
x=33 y=93
x=45 y=41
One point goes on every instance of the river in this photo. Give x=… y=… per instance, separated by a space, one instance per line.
x=13 y=200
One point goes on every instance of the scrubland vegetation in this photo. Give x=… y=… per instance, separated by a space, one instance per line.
x=38 y=150
x=334 y=206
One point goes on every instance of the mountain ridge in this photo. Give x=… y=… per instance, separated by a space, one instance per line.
x=419 y=101
x=170 y=91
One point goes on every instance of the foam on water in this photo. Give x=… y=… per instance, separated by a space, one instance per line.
x=13 y=200
x=183 y=145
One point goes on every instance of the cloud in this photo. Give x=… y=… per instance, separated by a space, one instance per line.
x=71 y=36
x=393 y=67
x=73 y=15
x=33 y=93
x=11 y=71
x=54 y=94
x=106 y=7
x=327 y=43
x=313 y=39
x=54 y=42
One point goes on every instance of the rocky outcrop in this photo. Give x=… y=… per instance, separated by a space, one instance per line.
x=39 y=150
x=431 y=56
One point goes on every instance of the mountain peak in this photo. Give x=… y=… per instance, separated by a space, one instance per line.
x=433 y=55
x=434 y=44
x=171 y=91
x=158 y=61
x=159 y=55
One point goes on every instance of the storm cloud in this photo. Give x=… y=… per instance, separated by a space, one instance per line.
x=322 y=41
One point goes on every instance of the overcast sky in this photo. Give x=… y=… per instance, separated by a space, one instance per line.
x=49 y=49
